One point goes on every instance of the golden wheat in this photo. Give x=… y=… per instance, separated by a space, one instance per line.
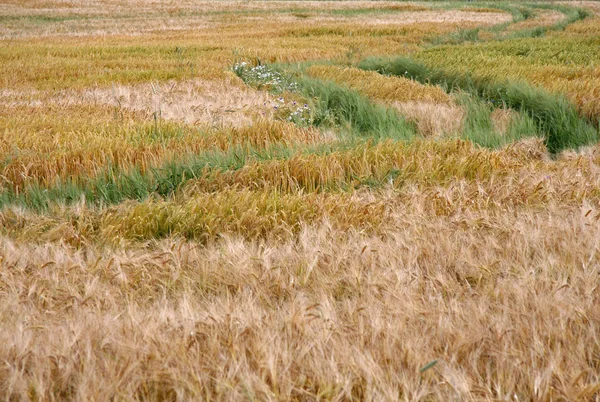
x=503 y=301
x=72 y=151
x=431 y=269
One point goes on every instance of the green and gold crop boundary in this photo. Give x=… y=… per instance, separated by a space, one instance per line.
x=333 y=106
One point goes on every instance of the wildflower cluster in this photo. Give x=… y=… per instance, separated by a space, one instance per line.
x=291 y=111
x=301 y=114
x=263 y=76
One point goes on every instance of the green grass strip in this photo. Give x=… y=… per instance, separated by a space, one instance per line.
x=339 y=107
x=554 y=115
x=115 y=185
x=479 y=128
x=332 y=107
x=520 y=13
x=572 y=14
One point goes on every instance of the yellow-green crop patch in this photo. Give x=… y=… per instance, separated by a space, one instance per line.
x=299 y=200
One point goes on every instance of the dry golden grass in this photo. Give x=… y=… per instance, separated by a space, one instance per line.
x=501 y=119
x=544 y=18
x=193 y=102
x=399 y=19
x=151 y=6
x=503 y=300
x=492 y=275
x=197 y=102
x=381 y=87
x=333 y=275
x=587 y=27
x=592 y=6
x=78 y=19
x=204 y=54
x=433 y=119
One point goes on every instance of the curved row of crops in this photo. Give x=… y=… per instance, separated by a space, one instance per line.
x=299 y=200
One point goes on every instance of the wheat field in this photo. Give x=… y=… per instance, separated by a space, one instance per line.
x=303 y=200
